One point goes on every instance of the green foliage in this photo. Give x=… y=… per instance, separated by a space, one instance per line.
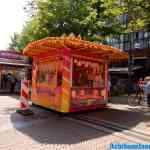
x=14 y=43
x=138 y=14
x=92 y=19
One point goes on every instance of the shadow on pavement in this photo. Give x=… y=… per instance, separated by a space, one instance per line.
x=130 y=117
x=51 y=128
x=48 y=127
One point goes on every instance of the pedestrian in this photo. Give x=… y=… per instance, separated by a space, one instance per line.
x=141 y=84
x=12 y=82
x=147 y=90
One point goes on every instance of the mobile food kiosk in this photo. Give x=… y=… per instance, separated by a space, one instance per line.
x=70 y=74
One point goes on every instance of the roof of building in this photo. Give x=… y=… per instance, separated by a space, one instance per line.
x=75 y=44
x=13 y=58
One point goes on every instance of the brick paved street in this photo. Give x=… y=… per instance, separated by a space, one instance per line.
x=119 y=112
x=47 y=130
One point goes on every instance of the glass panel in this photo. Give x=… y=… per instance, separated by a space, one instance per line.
x=116 y=45
x=136 y=36
x=127 y=45
x=137 y=44
x=148 y=43
x=148 y=34
x=121 y=46
x=141 y=35
x=126 y=37
x=145 y=34
x=141 y=44
x=145 y=43
x=121 y=38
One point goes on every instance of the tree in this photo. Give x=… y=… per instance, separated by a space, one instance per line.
x=88 y=18
x=13 y=45
x=92 y=19
x=137 y=12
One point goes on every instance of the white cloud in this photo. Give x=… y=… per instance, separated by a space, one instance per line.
x=12 y=18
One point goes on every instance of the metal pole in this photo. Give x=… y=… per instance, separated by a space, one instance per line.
x=130 y=64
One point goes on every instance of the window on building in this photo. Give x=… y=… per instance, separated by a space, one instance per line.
x=145 y=34
x=136 y=35
x=126 y=37
x=141 y=35
x=121 y=46
x=127 y=45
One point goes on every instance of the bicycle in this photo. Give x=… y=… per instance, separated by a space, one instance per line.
x=137 y=98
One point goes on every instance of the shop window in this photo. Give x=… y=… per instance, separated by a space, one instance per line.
x=87 y=74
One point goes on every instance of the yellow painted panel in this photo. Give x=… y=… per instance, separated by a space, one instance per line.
x=65 y=101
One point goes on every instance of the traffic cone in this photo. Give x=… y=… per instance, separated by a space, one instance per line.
x=24 y=106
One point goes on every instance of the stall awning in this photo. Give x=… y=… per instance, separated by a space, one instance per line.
x=75 y=44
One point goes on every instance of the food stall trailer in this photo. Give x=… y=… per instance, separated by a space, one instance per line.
x=70 y=74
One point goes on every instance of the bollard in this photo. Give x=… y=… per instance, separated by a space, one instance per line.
x=24 y=106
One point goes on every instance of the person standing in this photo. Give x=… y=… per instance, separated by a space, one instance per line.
x=12 y=82
x=147 y=90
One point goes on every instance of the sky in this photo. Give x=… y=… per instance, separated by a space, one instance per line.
x=12 y=19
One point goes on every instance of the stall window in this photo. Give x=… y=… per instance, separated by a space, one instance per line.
x=48 y=73
x=87 y=74
x=45 y=76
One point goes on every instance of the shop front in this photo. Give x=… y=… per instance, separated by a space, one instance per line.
x=13 y=65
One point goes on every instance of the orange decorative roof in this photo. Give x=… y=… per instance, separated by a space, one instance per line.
x=76 y=45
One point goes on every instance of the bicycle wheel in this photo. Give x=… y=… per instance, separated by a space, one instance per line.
x=133 y=100
x=142 y=100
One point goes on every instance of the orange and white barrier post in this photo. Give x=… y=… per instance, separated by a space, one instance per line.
x=24 y=106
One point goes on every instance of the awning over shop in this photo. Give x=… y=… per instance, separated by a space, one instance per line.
x=75 y=44
x=14 y=59
x=123 y=70
x=15 y=64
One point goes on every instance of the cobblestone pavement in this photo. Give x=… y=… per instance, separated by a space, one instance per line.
x=46 y=130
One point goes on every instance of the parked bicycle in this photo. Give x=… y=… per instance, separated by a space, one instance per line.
x=137 y=97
